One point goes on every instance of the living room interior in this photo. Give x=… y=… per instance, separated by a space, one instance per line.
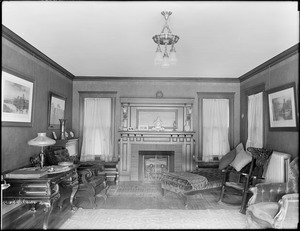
x=134 y=113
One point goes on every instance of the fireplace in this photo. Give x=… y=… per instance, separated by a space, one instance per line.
x=153 y=163
x=158 y=126
x=132 y=143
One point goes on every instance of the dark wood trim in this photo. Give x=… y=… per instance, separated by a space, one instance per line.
x=20 y=42
x=165 y=79
x=271 y=62
x=215 y=95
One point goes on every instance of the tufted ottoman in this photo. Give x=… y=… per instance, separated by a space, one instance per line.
x=187 y=183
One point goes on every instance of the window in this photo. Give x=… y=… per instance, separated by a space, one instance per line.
x=255 y=121
x=215 y=125
x=97 y=126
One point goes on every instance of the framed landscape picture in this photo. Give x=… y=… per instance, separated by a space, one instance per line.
x=57 y=104
x=282 y=108
x=17 y=95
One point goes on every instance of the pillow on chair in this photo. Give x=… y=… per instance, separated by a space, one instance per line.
x=229 y=157
x=241 y=160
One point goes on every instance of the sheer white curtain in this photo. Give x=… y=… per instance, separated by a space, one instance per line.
x=215 y=128
x=97 y=125
x=255 y=121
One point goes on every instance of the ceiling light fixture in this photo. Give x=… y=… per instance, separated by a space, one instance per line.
x=166 y=39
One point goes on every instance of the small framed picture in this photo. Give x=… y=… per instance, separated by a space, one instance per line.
x=143 y=127
x=72 y=134
x=54 y=135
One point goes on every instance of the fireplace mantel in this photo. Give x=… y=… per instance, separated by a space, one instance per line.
x=131 y=142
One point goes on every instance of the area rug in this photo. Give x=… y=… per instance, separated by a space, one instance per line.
x=135 y=189
x=155 y=219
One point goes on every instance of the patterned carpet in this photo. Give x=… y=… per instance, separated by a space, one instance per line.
x=135 y=195
x=136 y=189
x=155 y=219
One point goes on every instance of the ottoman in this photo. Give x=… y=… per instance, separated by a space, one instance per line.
x=188 y=183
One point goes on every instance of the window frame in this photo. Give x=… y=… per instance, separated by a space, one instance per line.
x=215 y=95
x=97 y=94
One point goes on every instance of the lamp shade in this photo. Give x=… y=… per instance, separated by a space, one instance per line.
x=41 y=140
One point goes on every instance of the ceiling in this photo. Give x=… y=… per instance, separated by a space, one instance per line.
x=114 y=38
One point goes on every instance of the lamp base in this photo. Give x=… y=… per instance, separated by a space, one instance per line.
x=42 y=159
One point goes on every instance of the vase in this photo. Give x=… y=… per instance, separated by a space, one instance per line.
x=62 y=128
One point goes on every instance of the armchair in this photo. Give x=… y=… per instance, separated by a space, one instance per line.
x=92 y=179
x=275 y=205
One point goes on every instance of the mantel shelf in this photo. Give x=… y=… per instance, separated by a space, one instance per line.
x=157 y=132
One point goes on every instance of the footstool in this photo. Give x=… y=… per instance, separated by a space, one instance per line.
x=188 y=183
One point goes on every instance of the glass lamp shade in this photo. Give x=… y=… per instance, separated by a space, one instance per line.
x=158 y=58
x=173 y=58
x=166 y=62
x=41 y=140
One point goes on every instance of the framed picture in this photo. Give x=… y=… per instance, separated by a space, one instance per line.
x=57 y=104
x=17 y=99
x=143 y=127
x=282 y=108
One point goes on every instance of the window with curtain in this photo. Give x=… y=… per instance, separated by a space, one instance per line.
x=255 y=121
x=215 y=128
x=97 y=129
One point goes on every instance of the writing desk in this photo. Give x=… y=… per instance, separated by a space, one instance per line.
x=44 y=190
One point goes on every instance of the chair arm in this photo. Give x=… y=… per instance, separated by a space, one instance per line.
x=267 y=192
x=84 y=175
x=288 y=215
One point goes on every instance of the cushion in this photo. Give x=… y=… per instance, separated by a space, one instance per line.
x=265 y=210
x=239 y=147
x=227 y=159
x=241 y=160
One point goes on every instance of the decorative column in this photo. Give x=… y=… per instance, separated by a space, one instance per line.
x=188 y=118
x=124 y=117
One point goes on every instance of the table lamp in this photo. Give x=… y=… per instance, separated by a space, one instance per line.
x=42 y=141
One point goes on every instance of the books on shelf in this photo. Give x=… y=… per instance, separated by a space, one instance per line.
x=27 y=173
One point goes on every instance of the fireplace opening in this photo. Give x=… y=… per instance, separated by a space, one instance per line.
x=153 y=163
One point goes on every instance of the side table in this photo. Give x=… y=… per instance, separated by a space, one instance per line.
x=44 y=190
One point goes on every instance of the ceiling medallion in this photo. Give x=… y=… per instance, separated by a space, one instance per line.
x=166 y=39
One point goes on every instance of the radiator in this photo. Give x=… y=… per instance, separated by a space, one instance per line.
x=277 y=170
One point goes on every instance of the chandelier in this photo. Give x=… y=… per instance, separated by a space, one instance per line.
x=166 y=39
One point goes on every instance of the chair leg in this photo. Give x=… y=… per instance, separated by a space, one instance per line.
x=244 y=203
x=222 y=193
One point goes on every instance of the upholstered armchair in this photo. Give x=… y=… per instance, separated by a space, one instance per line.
x=92 y=178
x=275 y=205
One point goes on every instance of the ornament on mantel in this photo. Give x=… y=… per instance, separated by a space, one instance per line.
x=159 y=94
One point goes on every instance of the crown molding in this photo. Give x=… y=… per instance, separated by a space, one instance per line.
x=20 y=42
x=166 y=79
x=271 y=62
